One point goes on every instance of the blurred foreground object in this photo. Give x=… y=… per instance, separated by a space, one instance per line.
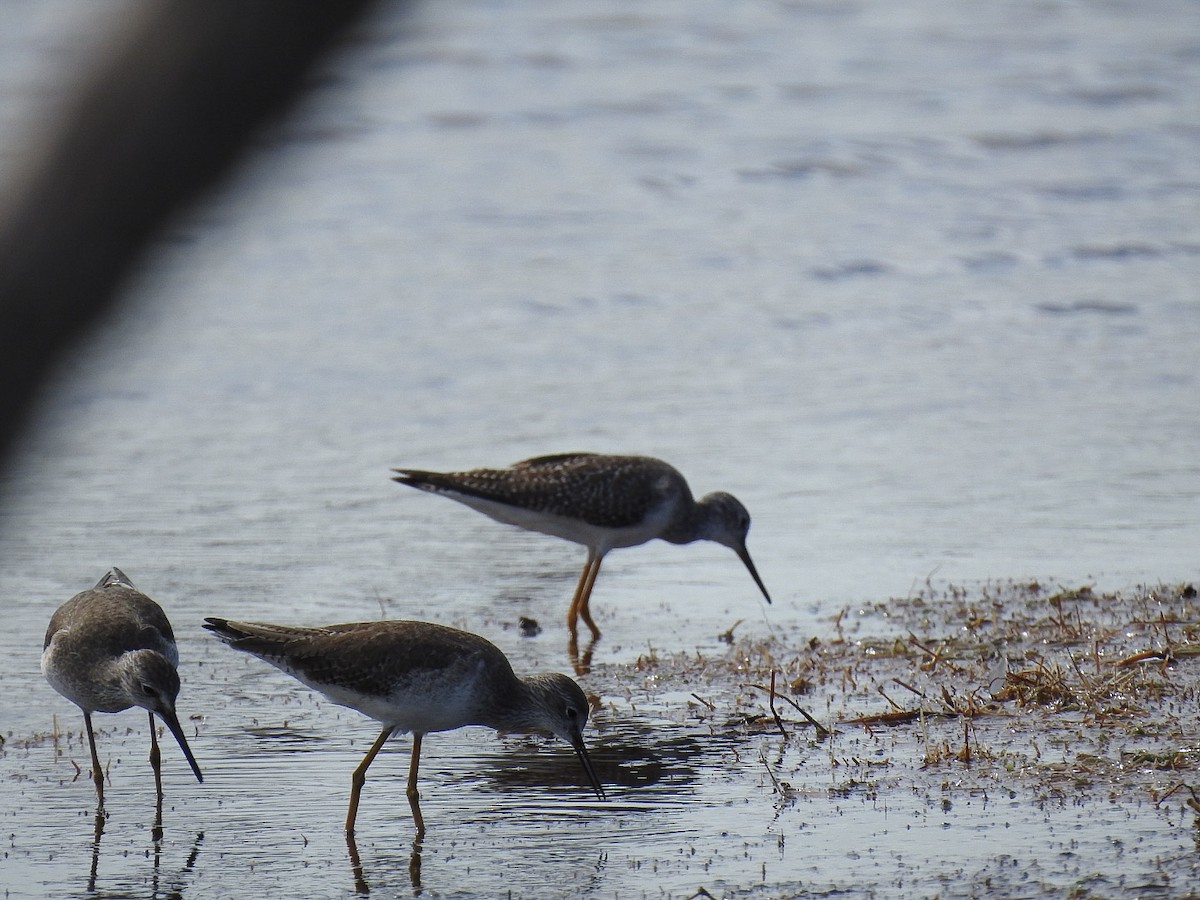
x=160 y=117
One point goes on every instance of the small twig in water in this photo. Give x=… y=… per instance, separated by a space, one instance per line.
x=778 y=721
x=785 y=790
x=964 y=755
x=822 y=731
x=1146 y=655
x=909 y=687
x=935 y=656
x=894 y=704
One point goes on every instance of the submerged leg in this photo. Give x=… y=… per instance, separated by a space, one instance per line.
x=360 y=776
x=414 y=796
x=583 y=593
x=97 y=775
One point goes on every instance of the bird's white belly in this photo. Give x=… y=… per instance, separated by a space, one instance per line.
x=569 y=529
x=420 y=705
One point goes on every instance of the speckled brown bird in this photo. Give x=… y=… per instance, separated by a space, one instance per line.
x=603 y=502
x=417 y=677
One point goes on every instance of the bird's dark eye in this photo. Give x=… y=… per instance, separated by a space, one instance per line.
x=572 y=713
x=148 y=690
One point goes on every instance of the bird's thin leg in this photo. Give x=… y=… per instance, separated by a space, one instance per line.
x=584 y=613
x=97 y=775
x=583 y=592
x=156 y=764
x=360 y=776
x=155 y=758
x=414 y=796
x=573 y=609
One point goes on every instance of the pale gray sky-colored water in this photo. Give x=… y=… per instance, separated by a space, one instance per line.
x=916 y=281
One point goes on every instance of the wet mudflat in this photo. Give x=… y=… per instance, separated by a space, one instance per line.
x=1004 y=739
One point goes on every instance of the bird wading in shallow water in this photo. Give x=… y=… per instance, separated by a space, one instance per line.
x=110 y=648
x=603 y=502
x=416 y=677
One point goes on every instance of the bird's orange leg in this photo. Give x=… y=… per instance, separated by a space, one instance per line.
x=584 y=613
x=583 y=591
x=97 y=774
x=573 y=609
x=360 y=776
x=413 y=795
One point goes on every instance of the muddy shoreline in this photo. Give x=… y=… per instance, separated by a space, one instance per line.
x=1008 y=739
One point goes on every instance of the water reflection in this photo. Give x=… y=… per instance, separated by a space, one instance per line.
x=178 y=883
x=181 y=879
x=96 y=835
x=361 y=885
x=580 y=663
x=643 y=754
x=356 y=869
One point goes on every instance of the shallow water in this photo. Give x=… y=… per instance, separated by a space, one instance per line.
x=916 y=281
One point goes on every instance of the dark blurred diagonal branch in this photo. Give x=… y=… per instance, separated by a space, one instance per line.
x=158 y=119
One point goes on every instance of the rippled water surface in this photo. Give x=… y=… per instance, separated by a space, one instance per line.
x=917 y=281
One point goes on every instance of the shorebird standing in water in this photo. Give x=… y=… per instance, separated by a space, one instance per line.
x=110 y=648
x=603 y=502
x=417 y=677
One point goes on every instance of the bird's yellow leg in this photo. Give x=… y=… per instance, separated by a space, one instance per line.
x=97 y=774
x=360 y=776
x=573 y=610
x=586 y=597
x=414 y=795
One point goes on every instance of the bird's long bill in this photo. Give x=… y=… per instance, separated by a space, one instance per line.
x=744 y=555
x=172 y=721
x=581 y=752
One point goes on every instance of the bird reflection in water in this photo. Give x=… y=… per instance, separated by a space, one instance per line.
x=360 y=879
x=156 y=832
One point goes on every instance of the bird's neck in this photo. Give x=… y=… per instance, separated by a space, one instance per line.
x=690 y=523
x=509 y=696
x=515 y=706
x=111 y=685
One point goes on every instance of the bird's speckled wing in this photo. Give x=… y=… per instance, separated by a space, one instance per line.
x=606 y=491
x=372 y=658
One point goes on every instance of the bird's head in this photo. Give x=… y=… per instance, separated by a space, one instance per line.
x=725 y=521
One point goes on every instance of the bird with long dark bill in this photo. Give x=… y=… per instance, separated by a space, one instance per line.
x=603 y=502
x=111 y=648
x=416 y=677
